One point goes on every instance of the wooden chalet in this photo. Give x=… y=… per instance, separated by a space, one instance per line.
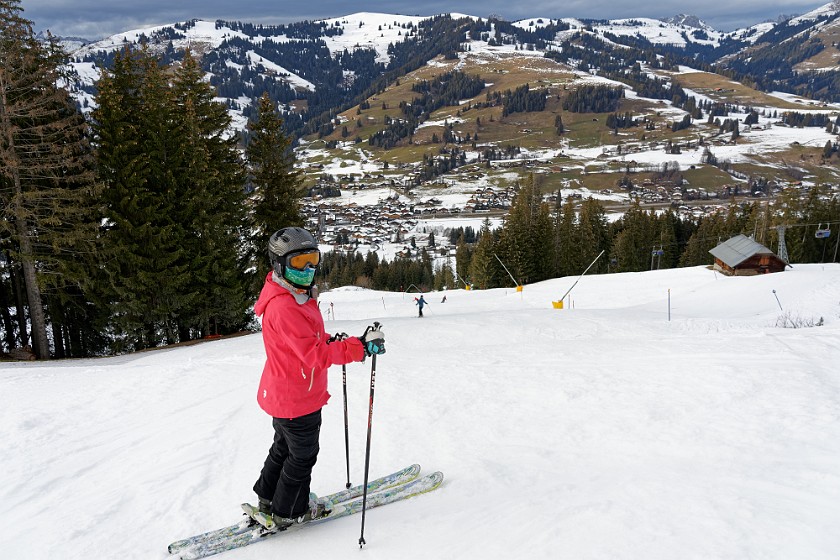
x=743 y=256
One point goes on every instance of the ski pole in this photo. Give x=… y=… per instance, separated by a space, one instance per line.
x=342 y=336
x=367 y=446
x=346 y=430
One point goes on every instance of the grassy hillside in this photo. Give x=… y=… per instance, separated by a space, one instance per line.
x=587 y=154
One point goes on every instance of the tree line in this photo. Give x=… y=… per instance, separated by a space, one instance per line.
x=523 y=100
x=540 y=240
x=445 y=90
x=593 y=99
x=146 y=225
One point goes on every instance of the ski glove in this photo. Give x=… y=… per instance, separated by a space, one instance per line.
x=373 y=341
x=337 y=337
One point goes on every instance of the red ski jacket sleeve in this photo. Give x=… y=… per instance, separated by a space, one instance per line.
x=294 y=379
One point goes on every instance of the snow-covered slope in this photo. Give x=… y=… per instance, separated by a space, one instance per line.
x=357 y=31
x=370 y=30
x=661 y=33
x=602 y=430
x=752 y=33
x=678 y=30
x=378 y=30
x=196 y=32
x=823 y=11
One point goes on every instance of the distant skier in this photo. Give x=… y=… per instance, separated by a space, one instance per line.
x=420 y=303
x=443 y=300
x=293 y=387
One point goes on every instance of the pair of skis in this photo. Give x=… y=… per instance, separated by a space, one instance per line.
x=394 y=487
x=391 y=488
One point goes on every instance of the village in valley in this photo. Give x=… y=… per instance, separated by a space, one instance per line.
x=398 y=171
x=366 y=206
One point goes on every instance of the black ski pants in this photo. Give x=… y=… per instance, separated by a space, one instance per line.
x=287 y=472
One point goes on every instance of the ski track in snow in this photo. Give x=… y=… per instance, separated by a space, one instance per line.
x=600 y=431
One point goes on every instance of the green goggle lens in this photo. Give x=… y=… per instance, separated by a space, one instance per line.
x=300 y=277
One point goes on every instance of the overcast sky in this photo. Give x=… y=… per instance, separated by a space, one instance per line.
x=95 y=19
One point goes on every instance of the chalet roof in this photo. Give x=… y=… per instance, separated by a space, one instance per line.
x=736 y=250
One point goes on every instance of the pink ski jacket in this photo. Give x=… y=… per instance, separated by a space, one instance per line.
x=294 y=379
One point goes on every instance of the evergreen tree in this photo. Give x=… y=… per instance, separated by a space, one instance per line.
x=592 y=235
x=427 y=274
x=371 y=264
x=514 y=240
x=634 y=240
x=565 y=240
x=7 y=302
x=144 y=265
x=526 y=240
x=174 y=203
x=444 y=278
x=758 y=222
x=47 y=188
x=667 y=225
x=711 y=231
x=484 y=267
x=542 y=228
x=463 y=257
x=209 y=180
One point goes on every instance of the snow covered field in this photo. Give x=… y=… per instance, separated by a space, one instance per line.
x=604 y=431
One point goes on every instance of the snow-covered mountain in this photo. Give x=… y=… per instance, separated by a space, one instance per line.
x=363 y=30
x=339 y=57
x=678 y=31
x=324 y=73
x=362 y=46
x=824 y=11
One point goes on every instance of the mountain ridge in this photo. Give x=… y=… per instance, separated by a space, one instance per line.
x=364 y=30
x=345 y=82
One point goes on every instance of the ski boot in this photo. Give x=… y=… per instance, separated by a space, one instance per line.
x=318 y=508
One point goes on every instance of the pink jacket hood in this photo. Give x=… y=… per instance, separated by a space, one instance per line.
x=294 y=379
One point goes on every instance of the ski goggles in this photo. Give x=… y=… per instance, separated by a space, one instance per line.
x=301 y=260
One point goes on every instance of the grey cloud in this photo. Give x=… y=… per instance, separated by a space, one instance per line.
x=98 y=18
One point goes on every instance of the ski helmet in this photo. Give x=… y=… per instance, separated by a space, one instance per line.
x=288 y=243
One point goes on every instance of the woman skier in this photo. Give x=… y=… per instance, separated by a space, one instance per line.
x=293 y=387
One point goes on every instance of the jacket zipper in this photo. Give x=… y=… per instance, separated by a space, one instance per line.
x=311 y=377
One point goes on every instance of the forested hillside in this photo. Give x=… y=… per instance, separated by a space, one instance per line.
x=316 y=70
